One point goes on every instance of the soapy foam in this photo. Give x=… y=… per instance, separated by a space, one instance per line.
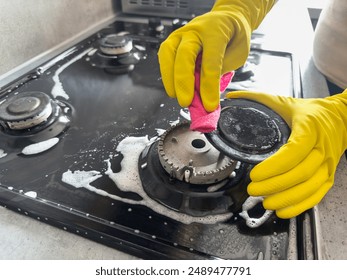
x=31 y=194
x=48 y=65
x=173 y=123
x=251 y=202
x=128 y=179
x=2 y=153
x=160 y=131
x=40 y=146
x=185 y=114
x=92 y=52
x=83 y=179
x=58 y=89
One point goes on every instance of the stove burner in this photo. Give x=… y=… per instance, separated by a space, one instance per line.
x=198 y=199
x=116 y=54
x=30 y=112
x=248 y=131
x=187 y=156
x=26 y=110
x=114 y=44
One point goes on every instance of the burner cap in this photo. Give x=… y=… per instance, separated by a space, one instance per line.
x=25 y=110
x=114 y=44
x=248 y=131
x=187 y=156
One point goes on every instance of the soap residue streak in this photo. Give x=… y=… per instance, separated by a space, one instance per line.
x=31 y=194
x=2 y=153
x=58 y=89
x=251 y=202
x=128 y=180
x=185 y=114
x=40 y=146
x=49 y=64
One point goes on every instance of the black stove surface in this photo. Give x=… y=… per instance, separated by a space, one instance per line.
x=87 y=183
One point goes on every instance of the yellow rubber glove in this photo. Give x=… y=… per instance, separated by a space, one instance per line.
x=223 y=36
x=302 y=171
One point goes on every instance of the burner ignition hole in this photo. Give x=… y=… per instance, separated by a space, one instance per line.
x=198 y=143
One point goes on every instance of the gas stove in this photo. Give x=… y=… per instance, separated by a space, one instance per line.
x=89 y=146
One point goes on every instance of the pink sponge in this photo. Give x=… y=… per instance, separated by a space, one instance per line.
x=201 y=120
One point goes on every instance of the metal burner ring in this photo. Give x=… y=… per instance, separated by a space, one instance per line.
x=25 y=110
x=114 y=44
x=188 y=156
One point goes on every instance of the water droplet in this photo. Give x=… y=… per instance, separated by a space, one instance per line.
x=221 y=231
x=154 y=237
x=175 y=244
x=136 y=231
x=129 y=209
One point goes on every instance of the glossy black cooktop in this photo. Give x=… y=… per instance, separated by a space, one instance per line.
x=87 y=182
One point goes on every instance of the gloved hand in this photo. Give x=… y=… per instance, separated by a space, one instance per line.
x=302 y=171
x=223 y=35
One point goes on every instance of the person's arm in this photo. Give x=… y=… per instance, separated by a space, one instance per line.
x=223 y=36
x=302 y=171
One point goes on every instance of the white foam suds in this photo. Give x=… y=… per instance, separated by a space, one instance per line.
x=2 y=153
x=173 y=123
x=185 y=114
x=92 y=52
x=40 y=146
x=160 y=131
x=140 y=48
x=128 y=180
x=249 y=204
x=58 y=89
x=81 y=179
x=49 y=64
x=31 y=194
